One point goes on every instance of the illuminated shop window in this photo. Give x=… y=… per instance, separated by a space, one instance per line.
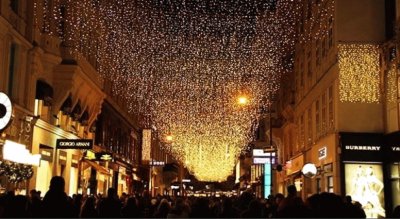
x=359 y=73
x=267 y=180
x=329 y=183
x=318 y=185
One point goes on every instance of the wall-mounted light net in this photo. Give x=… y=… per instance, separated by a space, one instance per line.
x=183 y=63
x=359 y=73
x=391 y=88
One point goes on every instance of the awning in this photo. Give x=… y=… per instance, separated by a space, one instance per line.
x=96 y=166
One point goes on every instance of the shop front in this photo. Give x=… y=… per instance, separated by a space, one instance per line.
x=57 y=160
x=323 y=156
x=392 y=159
x=16 y=127
x=362 y=167
x=293 y=173
x=96 y=172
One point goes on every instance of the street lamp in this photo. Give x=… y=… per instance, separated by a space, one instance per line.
x=169 y=138
x=242 y=100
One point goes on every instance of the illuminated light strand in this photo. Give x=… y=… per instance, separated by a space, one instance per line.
x=182 y=64
x=391 y=87
x=359 y=73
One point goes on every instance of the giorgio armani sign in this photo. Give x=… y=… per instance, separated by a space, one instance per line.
x=74 y=144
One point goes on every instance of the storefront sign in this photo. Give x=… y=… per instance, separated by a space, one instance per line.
x=263 y=160
x=262 y=153
x=322 y=153
x=362 y=148
x=46 y=152
x=395 y=149
x=74 y=144
x=157 y=163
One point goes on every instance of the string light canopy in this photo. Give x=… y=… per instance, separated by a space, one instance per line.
x=183 y=64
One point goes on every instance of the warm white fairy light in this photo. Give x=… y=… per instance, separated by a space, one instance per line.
x=359 y=80
x=183 y=64
x=391 y=85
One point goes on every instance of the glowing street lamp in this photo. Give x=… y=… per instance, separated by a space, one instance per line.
x=243 y=100
x=169 y=138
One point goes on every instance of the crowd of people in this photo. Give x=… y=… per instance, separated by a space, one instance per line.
x=56 y=203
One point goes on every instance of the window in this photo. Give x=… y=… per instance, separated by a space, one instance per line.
x=330 y=36
x=309 y=9
x=317 y=53
x=309 y=132
x=318 y=184
x=309 y=65
x=11 y=68
x=317 y=119
x=14 y=5
x=329 y=180
x=330 y=107
x=323 y=44
x=302 y=136
x=323 y=113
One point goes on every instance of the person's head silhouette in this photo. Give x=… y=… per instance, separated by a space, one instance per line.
x=57 y=183
x=292 y=191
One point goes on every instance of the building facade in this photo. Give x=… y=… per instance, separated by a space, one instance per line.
x=342 y=105
x=53 y=81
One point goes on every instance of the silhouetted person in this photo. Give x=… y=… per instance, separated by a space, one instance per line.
x=228 y=211
x=130 y=210
x=353 y=210
x=55 y=202
x=396 y=212
x=200 y=209
x=163 y=209
x=110 y=206
x=273 y=206
x=77 y=204
x=255 y=210
x=88 y=208
x=292 y=206
x=180 y=209
x=35 y=207
x=18 y=207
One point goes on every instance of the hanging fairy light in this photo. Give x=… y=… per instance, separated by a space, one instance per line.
x=183 y=64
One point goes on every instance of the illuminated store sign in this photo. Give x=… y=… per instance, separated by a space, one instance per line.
x=261 y=153
x=157 y=163
x=322 y=153
x=362 y=148
x=74 y=144
x=263 y=160
x=395 y=148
